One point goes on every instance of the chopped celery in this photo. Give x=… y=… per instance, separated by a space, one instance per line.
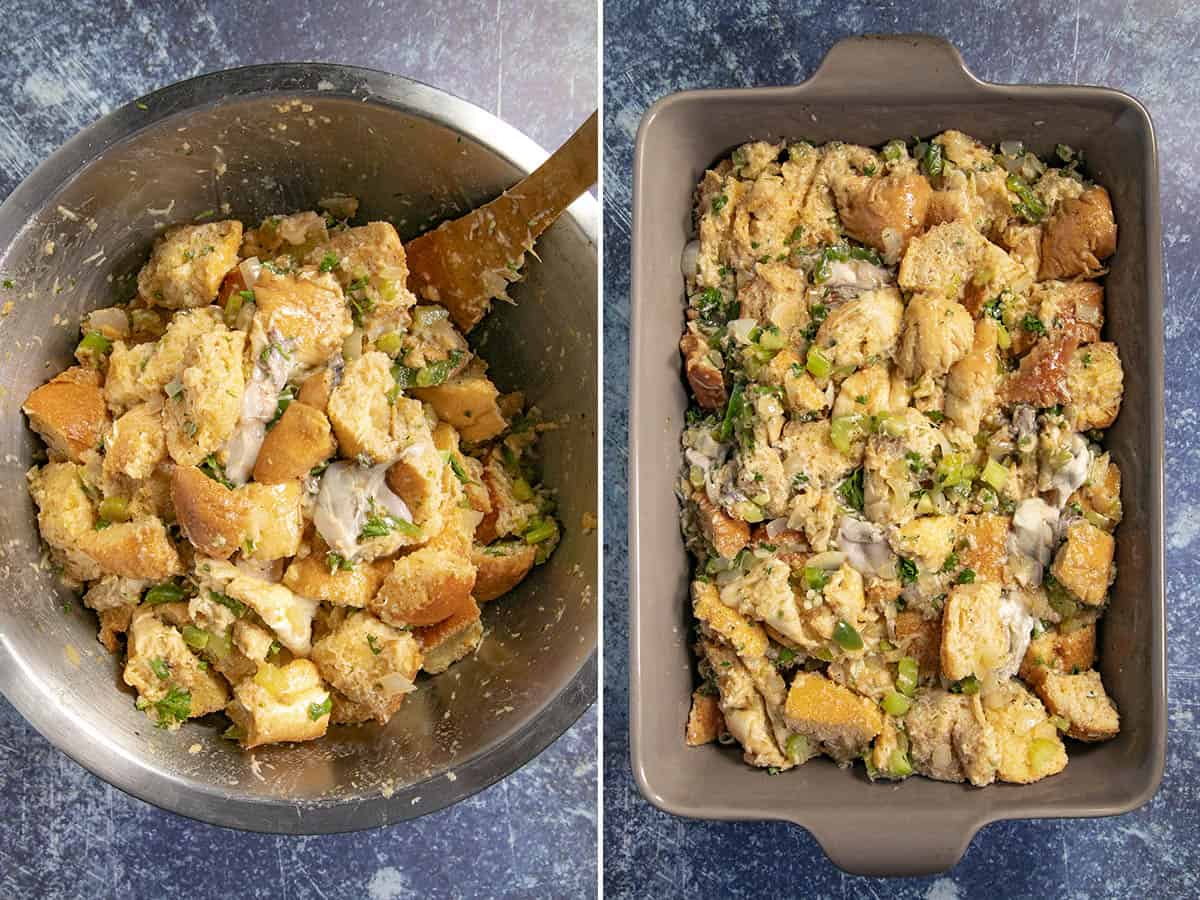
x=846 y=636
x=995 y=474
x=907 y=674
x=815 y=578
x=1042 y=752
x=114 y=509
x=195 y=637
x=845 y=430
x=817 y=363
x=899 y=765
x=895 y=703
x=798 y=749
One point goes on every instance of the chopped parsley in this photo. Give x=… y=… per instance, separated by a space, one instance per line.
x=175 y=707
x=1033 y=324
x=159 y=667
x=329 y=262
x=966 y=576
x=851 y=490
x=317 y=710
x=337 y=562
x=908 y=570
x=373 y=643
x=211 y=466
x=237 y=607
x=718 y=203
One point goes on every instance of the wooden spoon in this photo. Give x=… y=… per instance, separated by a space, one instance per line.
x=464 y=263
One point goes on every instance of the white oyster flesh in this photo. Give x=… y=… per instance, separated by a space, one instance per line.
x=1020 y=627
x=347 y=495
x=865 y=545
x=1070 y=477
x=272 y=369
x=1031 y=542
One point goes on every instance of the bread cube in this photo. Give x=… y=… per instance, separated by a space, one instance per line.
x=311 y=576
x=1082 y=701
x=211 y=515
x=169 y=679
x=281 y=703
x=448 y=641
x=273 y=522
x=950 y=738
x=1096 y=384
x=1055 y=650
x=69 y=413
x=725 y=624
x=857 y=330
x=705 y=722
x=885 y=213
x=726 y=534
x=500 y=567
x=298 y=442
x=975 y=639
x=938 y=332
x=921 y=639
x=201 y=415
x=136 y=444
x=1079 y=236
x=468 y=401
x=359 y=409
x=306 y=309
x=927 y=540
x=986 y=550
x=188 y=264
x=1029 y=744
x=424 y=588
x=369 y=663
x=842 y=721
x=373 y=270
x=1083 y=564
x=287 y=614
x=65 y=514
x=943 y=260
x=139 y=548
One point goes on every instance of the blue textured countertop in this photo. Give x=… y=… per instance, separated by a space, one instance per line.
x=64 y=833
x=1151 y=51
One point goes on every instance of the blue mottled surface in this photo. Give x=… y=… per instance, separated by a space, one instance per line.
x=65 y=834
x=1148 y=49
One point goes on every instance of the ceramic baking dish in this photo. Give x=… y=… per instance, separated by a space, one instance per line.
x=867 y=90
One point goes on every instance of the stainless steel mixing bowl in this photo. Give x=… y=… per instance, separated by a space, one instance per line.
x=247 y=143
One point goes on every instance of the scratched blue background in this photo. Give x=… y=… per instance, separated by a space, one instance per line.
x=656 y=47
x=64 y=833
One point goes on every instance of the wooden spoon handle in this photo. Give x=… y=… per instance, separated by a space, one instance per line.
x=465 y=263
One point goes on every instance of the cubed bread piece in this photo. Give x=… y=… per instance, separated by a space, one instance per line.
x=347 y=712
x=860 y=329
x=373 y=271
x=359 y=409
x=800 y=391
x=950 y=738
x=295 y=445
x=985 y=537
x=171 y=684
x=943 y=260
x=938 y=332
x=1096 y=384
x=972 y=381
x=508 y=515
x=273 y=522
x=316 y=389
x=65 y=515
x=468 y=402
x=139 y=548
x=211 y=515
x=921 y=639
x=1074 y=307
x=927 y=540
x=1055 y=650
x=313 y=577
x=743 y=707
x=188 y=264
x=288 y=614
x=1100 y=496
x=706 y=380
x=124 y=385
x=884 y=213
x=136 y=444
x=872 y=390
x=424 y=587
x=306 y=309
x=290 y=236
x=451 y=639
x=1083 y=564
x=417 y=477
x=253 y=641
x=281 y=703
x=1079 y=236
x=500 y=567
x=705 y=722
x=843 y=722
x=1082 y=701
x=1029 y=744
x=975 y=639
x=203 y=407
x=1042 y=378
x=69 y=413
x=370 y=663
x=114 y=622
x=725 y=624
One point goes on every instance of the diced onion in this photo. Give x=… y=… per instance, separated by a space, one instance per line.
x=740 y=329
x=690 y=261
x=250 y=269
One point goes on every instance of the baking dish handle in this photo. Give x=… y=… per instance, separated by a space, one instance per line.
x=931 y=839
x=894 y=64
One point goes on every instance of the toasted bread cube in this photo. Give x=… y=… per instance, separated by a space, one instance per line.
x=986 y=551
x=211 y=515
x=972 y=381
x=975 y=639
x=1096 y=383
x=706 y=380
x=1083 y=564
x=1029 y=744
x=311 y=576
x=347 y=712
x=372 y=266
x=726 y=534
x=370 y=663
x=722 y=623
x=921 y=639
x=863 y=328
x=188 y=264
x=200 y=418
x=927 y=540
x=137 y=443
x=507 y=515
x=938 y=332
x=1054 y=650
x=65 y=514
x=500 y=567
x=1082 y=701
x=160 y=666
x=451 y=639
x=1079 y=236
x=305 y=308
x=943 y=260
x=424 y=587
x=801 y=394
x=705 y=722
x=360 y=412
x=273 y=523
x=417 y=477
x=1042 y=378
x=743 y=707
x=884 y=213
x=69 y=413
x=124 y=386
x=468 y=401
x=139 y=548
x=299 y=441
x=950 y=738
x=114 y=622
x=841 y=720
x=287 y=614
x=316 y=389
x=281 y=703
x=1100 y=495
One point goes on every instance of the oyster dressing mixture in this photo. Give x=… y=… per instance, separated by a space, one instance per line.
x=894 y=485
x=283 y=484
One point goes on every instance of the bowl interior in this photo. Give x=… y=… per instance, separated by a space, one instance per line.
x=71 y=247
